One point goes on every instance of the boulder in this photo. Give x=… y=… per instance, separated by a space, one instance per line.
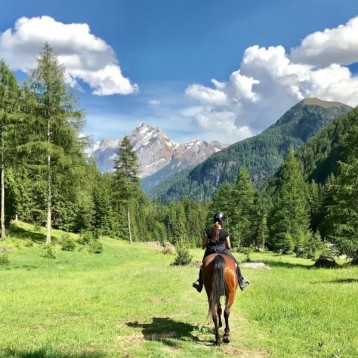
x=326 y=262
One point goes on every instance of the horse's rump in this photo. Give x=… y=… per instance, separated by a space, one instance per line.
x=220 y=279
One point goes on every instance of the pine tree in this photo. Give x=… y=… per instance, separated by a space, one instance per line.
x=126 y=180
x=343 y=208
x=222 y=201
x=52 y=147
x=9 y=99
x=289 y=223
x=242 y=221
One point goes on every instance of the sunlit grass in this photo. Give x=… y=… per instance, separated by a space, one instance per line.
x=130 y=302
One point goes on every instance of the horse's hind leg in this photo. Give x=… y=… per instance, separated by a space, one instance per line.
x=229 y=302
x=216 y=326
x=219 y=315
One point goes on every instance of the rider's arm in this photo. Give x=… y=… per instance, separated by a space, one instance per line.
x=228 y=243
x=205 y=241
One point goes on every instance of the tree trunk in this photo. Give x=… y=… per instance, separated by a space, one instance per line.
x=3 y=232
x=129 y=225
x=49 y=194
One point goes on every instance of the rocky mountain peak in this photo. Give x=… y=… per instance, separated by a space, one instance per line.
x=155 y=150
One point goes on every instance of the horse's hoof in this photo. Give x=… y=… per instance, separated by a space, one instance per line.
x=226 y=339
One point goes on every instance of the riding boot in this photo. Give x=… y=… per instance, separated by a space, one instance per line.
x=243 y=283
x=199 y=283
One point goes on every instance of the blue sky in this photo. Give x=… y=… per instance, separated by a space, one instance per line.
x=198 y=69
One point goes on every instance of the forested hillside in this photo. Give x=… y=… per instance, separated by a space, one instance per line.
x=261 y=155
x=309 y=199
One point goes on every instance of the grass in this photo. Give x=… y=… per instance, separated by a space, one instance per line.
x=130 y=302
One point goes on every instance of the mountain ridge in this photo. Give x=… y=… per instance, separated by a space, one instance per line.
x=155 y=150
x=261 y=154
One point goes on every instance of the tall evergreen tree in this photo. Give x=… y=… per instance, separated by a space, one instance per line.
x=9 y=99
x=242 y=220
x=126 y=180
x=289 y=223
x=343 y=209
x=52 y=145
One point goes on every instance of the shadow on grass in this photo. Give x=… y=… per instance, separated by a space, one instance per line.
x=344 y=280
x=25 y=234
x=45 y=353
x=166 y=330
x=274 y=263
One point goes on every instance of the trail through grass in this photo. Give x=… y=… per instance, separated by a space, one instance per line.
x=130 y=302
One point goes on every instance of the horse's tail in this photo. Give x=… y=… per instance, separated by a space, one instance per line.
x=219 y=286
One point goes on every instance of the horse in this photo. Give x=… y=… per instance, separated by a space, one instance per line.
x=220 y=279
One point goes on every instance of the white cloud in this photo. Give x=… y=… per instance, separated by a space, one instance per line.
x=85 y=56
x=270 y=81
x=207 y=95
x=338 y=45
x=154 y=102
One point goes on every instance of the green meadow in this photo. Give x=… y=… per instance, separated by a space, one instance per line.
x=129 y=301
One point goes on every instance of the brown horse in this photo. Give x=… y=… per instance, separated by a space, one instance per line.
x=220 y=279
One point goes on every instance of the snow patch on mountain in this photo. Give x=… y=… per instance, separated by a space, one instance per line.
x=154 y=150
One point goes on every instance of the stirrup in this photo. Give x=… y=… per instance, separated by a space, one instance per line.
x=243 y=284
x=198 y=286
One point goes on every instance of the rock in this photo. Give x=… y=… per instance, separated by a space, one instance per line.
x=325 y=261
x=255 y=265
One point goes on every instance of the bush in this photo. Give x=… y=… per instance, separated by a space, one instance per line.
x=4 y=259
x=95 y=247
x=50 y=252
x=168 y=249
x=183 y=256
x=29 y=243
x=247 y=252
x=86 y=237
x=68 y=244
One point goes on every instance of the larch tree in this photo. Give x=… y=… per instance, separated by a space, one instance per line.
x=9 y=100
x=53 y=123
x=126 y=179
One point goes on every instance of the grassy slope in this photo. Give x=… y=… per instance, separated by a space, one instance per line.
x=129 y=302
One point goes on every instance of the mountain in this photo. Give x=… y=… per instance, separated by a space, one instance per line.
x=261 y=154
x=156 y=152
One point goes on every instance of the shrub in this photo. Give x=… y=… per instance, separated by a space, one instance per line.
x=86 y=237
x=68 y=244
x=168 y=249
x=37 y=227
x=247 y=252
x=29 y=243
x=95 y=247
x=183 y=256
x=50 y=252
x=4 y=259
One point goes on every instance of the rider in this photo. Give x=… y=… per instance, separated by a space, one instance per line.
x=217 y=240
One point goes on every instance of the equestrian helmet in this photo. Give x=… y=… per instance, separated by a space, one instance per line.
x=219 y=216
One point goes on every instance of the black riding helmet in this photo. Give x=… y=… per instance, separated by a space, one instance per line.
x=219 y=216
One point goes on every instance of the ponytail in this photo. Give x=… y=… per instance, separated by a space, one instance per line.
x=215 y=236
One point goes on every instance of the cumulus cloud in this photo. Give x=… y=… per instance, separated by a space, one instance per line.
x=270 y=81
x=85 y=56
x=338 y=45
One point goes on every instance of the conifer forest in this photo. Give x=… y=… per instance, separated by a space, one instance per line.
x=308 y=205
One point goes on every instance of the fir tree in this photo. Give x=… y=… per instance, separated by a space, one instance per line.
x=126 y=180
x=343 y=209
x=289 y=224
x=242 y=222
x=9 y=99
